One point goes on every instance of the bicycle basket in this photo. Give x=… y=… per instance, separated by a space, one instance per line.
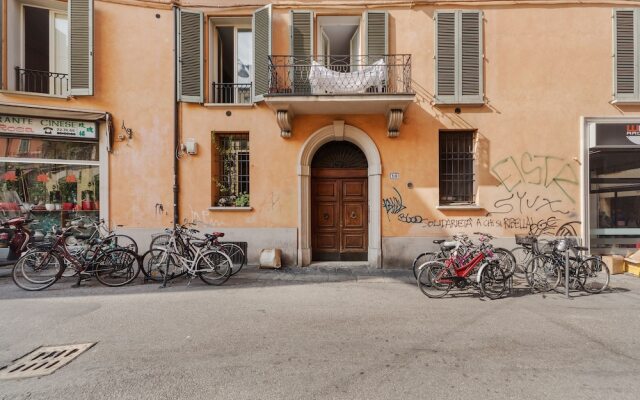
x=565 y=243
x=525 y=240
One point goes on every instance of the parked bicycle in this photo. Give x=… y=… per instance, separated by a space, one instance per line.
x=544 y=272
x=234 y=251
x=442 y=253
x=185 y=254
x=475 y=266
x=45 y=263
x=89 y=229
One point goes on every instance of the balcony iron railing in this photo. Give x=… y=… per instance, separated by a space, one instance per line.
x=231 y=93
x=29 y=80
x=333 y=75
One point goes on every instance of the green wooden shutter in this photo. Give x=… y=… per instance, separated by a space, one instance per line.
x=445 y=57
x=625 y=55
x=377 y=31
x=190 y=56
x=470 y=64
x=261 y=51
x=80 y=47
x=301 y=49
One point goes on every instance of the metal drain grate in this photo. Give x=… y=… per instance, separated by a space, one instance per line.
x=43 y=361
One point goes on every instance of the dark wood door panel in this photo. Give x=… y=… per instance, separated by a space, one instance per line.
x=339 y=217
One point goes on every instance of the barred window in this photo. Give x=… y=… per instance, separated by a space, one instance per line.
x=456 y=168
x=232 y=180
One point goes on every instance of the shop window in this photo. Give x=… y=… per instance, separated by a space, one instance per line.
x=457 y=168
x=232 y=170
x=51 y=181
x=232 y=58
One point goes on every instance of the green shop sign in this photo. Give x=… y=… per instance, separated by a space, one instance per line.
x=47 y=127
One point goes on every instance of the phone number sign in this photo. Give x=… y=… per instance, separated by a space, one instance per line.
x=48 y=127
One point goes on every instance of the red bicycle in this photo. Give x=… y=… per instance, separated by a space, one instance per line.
x=482 y=271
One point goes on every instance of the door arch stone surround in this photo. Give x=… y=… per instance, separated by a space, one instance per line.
x=339 y=131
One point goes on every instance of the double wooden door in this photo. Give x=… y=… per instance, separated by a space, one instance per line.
x=339 y=215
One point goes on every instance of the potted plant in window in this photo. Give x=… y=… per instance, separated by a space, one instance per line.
x=242 y=200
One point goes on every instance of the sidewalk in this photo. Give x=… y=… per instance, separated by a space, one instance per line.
x=313 y=273
x=327 y=273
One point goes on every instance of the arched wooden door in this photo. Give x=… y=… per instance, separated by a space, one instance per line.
x=339 y=203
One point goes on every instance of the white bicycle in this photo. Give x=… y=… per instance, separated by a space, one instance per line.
x=193 y=257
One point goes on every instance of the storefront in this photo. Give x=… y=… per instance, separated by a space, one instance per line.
x=613 y=185
x=51 y=166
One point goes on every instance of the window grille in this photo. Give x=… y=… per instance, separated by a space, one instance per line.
x=233 y=169
x=456 y=168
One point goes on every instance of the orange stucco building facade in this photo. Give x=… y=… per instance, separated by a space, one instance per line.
x=546 y=78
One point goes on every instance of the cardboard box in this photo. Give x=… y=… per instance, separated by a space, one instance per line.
x=632 y=263
x=632 y=267
x=614 y=263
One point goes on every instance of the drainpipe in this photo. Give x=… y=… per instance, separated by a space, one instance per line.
x=176 y=122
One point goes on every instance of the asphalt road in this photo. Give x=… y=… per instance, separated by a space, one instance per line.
x=370 y=338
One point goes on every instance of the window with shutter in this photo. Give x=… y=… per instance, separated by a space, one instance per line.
x=190 y=57
x=301 y=49
x=80 y=47
x=625 y=55
x=458 y=69
x=376 y=34
x=261 y=51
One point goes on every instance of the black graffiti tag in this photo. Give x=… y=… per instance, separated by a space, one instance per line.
x=393 y=205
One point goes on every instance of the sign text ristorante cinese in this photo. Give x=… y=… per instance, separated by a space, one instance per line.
x=47 y=127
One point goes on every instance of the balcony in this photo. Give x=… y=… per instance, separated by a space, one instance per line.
x=340 y=85
x=45 y=82
x=231 y=93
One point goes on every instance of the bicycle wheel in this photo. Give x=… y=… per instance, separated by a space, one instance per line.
x=434 y=279
x=506 y=261
x=236 y=254
x=522 y=256
x=121 y=241
x=37 y=270
x=542 y=274
x=160 y=240
x=117 y=267
x=154 y=264
x=596 y=274
x=493 y=281
x=420 y=260
x=214 y=267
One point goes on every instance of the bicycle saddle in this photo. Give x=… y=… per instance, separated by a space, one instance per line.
x=438 y=241
x=214 y=235
x=449 y=245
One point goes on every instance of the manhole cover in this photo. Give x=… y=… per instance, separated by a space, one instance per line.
x=43 y=361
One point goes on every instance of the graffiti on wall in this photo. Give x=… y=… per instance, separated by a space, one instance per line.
x=552 y=225
x=535 y=183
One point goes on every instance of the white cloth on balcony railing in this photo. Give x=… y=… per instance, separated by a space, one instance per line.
x=326 y=81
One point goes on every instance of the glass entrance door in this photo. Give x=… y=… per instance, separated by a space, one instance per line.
x=614 y=198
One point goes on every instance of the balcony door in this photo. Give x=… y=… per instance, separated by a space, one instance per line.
x=45 y=64
x=233 y=49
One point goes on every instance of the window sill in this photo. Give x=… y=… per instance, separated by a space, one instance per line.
x=440 y=103
x=30 y=94
x=230 y=208
x=630 y=102
x=228 y=105
x=470 y=207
